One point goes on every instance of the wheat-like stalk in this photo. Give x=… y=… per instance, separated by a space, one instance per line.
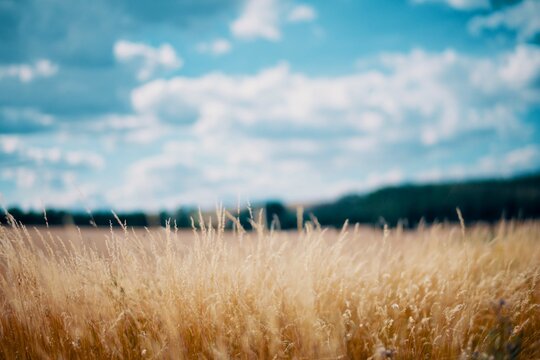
x=440 y=292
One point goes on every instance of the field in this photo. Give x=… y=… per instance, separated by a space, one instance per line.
x=439 y=292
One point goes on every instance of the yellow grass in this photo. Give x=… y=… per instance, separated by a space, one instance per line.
x=434 y=293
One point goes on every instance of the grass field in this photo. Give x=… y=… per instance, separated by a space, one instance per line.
x=439 y=292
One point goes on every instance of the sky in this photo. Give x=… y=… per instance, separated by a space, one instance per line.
x=154 y=105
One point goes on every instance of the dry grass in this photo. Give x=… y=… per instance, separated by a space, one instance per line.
x=437 y=293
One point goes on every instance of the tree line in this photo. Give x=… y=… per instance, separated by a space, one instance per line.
x=481 y=200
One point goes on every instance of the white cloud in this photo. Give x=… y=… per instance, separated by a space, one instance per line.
x=300 y=13
x=9 y=144
x=284 y=126
x=193 y=166
x=49 y=188
x=522 y=66
x=502 y=163
x=150 y=59
x=27 y=72
x=445 y=94
x=47 y=174
x=216 y=47
x=459 y=4
x=259 y=19
x=263 y=18
x=523 y=18
x=78 y=158
x=24 y=178
x=526 y=158
x=516 y=70
x=149 y=180
x=523 y=158
x=29 y=115
x=15 y=148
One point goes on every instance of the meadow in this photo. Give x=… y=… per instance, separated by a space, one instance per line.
x=442 y=291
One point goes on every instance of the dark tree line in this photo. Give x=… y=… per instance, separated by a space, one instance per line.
x=54 y=217
x=486 y=200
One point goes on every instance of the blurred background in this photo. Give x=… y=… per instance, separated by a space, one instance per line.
x=345 y=107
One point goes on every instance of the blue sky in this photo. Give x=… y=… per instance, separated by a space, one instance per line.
x=155 y=105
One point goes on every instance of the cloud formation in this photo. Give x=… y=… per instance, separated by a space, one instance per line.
x=28 y=72
x=16 y=149
x=427 y=87
x=250 y=132
x=24 y=120
x=301 y=13
x=82 y=32
x=259 y=19
x=522 y=18
x=151 y=59
x=290 y=117
x=217 y=47
x=264 y=18
x=79 y=76
x=459 y=4
x=50 y=175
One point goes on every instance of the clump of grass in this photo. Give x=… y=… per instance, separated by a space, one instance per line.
x=316 y=293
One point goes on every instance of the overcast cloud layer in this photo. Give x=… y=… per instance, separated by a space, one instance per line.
x=131 y=105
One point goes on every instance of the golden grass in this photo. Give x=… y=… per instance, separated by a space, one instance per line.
x=435 y=293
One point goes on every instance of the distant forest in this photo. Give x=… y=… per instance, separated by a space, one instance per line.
x=481 y=200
